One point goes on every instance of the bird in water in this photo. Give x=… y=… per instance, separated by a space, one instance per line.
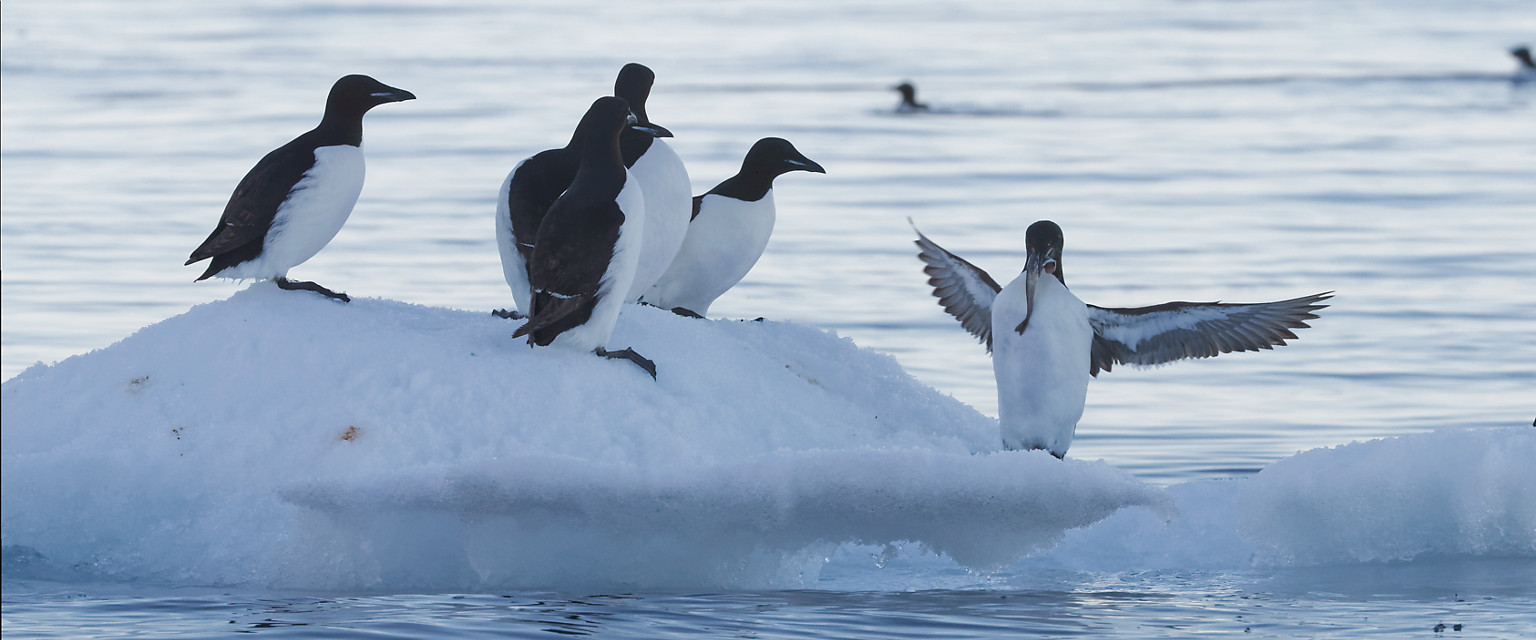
x=295 y=199
x=909 y=103
x=1527 y=70
x=1046 y=343
x=588 y=244
x=729 y=230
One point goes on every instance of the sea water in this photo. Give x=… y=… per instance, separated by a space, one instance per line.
x=1190 y=151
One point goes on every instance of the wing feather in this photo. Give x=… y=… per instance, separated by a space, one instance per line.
x=963 y=289
x=1177 y=330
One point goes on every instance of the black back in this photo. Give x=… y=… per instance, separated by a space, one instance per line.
x=576 y=240
x=769 y=158
x=251 y=208
x=634 y=86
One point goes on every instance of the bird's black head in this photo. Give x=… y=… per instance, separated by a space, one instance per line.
x=354 y=95
x=1044 y=239
x=604 y=119
x=634 y=85
x=774 y=157
x=1523 y=54
x=908 y=93
x=1042 y=244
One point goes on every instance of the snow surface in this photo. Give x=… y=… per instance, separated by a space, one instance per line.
x=281 y=439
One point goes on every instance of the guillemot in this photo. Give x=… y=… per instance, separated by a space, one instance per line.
x=729 y=230
x=1527 y=70
x=1046 y=343
x=297 y=197
x=663 y=180
x=909 y=103
x=588 y=244
x=528 y=191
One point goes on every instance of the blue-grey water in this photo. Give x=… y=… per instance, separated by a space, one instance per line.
x=1195 y=150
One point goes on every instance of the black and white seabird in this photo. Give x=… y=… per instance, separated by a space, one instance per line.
x=534 y=184
x=1046 y=343
x=909 y=103
x=297 y=197
x=730 y=228
x=1527 y=70
x=663 y=180
x=587 y=246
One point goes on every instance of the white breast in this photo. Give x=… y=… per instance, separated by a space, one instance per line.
x=668 y=206
x=1042 y=375
x=620 y=275
x=513 y=268
x=312 y=214
x=722 y=245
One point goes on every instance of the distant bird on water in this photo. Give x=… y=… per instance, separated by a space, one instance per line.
x=909 y=103
x=1527 y=70
x=295 y=199
x=730 y=228
x=588 y=244
x=1046 y=343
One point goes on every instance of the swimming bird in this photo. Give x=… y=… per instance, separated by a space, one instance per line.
x=295 y=199
x=587 y=246
x=909 y=103
x=729 y=230
x=663 y=180
x=1046 y=343
x=1527 y=70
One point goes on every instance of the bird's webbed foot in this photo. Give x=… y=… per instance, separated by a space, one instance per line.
x=300 y=285
x=630 y=355
x=509 y=314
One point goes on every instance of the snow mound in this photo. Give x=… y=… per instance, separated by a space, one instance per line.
x=1453 y=493
x=281 y=439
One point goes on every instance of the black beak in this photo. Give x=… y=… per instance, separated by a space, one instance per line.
x=653 y=129
x=803 y=163
x=392 y=94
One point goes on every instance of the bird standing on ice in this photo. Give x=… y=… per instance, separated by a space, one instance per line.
x=1046 y=343
x=662 y=178
x=584 y=255
x=297 y=197
x=534 y=184
x=730 y=228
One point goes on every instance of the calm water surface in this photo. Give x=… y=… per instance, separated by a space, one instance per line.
x=1191 y=151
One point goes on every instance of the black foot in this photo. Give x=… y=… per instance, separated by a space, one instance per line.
x=299 y=285
x=686 y=313
x=630 y=355
x=510 y=314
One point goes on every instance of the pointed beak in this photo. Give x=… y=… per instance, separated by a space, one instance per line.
x=394 y=95
x=803 y=163
x=653 y=129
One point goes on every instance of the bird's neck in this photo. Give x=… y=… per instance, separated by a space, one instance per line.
x=341 y=129
x=747 y=185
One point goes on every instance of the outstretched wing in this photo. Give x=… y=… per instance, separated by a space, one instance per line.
x=963 y=289
x=1178 y=330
